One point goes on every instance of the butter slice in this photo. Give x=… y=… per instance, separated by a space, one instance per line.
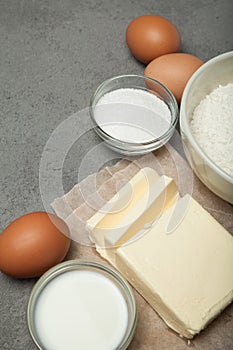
x=187 y=275
x=148 y=208
x=135 y=206
x=114 y=210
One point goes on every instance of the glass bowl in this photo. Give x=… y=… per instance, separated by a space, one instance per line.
x=215 y=72
x=136 y=116
x=60 y=308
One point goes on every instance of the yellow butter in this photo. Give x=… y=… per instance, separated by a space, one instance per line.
x=170 y=249
x=186 y=275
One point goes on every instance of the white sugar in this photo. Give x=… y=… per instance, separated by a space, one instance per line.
x=212 y=126
x=133 y=115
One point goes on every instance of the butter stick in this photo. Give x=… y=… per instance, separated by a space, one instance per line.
x=186 y=275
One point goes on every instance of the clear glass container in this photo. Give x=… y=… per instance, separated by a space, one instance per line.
x=82 y=265
x=142 y=83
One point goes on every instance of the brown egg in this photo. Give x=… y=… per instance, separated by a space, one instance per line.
x=174 y=71
x=151 y=36
x=32 y=244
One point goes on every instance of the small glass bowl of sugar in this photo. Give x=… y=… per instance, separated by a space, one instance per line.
x=133 y=114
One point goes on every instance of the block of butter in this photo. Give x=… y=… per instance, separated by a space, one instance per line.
x=132 y=209
x=186 y=275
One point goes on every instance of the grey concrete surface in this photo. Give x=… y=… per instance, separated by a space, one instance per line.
x=53 y=54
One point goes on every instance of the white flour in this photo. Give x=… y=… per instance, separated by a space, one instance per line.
x=212 y=126
x=132 y=115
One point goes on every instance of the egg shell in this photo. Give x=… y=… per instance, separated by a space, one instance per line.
x=32 y=244
x=174 y=71
x=151 y=36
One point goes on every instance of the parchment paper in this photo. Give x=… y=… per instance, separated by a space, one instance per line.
x=82 y=202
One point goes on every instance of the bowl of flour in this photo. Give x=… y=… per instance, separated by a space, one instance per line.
x=206 y=124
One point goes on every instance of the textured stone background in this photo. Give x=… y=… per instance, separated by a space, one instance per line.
x=53 y=54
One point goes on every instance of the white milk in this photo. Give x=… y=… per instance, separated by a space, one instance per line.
x=81 y=310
